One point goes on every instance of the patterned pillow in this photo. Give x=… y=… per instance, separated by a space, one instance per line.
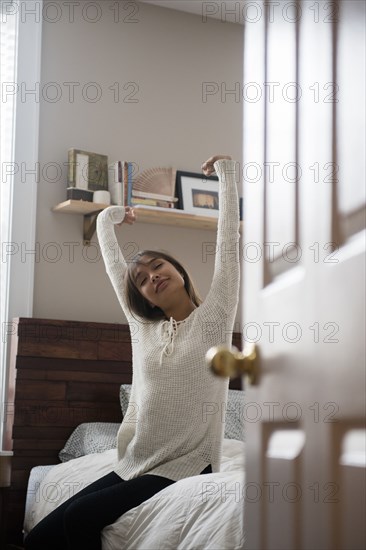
x=124 y=397
x=89 y=438
x=234 y=421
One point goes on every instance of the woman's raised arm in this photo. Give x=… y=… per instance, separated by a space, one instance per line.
x=224 y=291
x=115 y=263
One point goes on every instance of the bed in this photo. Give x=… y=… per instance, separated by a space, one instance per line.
x=70 y=384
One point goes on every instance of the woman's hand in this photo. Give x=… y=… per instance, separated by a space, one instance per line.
x=130 y=216
x=208 y=166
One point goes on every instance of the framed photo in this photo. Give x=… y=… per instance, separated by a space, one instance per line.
x=87 y=170
x=198 y=194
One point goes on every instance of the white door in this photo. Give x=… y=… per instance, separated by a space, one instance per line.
x=303 y=274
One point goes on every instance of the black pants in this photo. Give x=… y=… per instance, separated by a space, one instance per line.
x=77 y=523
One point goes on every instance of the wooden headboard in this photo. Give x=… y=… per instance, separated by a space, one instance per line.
x=62 y=373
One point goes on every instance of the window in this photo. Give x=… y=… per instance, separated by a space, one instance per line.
x=20 y=56
x=8 y=58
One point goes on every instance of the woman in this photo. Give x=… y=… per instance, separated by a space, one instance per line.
x=174 y=424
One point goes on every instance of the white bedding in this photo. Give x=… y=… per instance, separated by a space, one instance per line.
x=203 y=512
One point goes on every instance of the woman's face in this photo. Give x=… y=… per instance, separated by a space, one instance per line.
x=158 y=280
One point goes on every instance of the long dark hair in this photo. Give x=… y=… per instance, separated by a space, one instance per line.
x=137 y=303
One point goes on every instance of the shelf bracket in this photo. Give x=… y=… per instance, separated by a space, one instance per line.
x=90 y=225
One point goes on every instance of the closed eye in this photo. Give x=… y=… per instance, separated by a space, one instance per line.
x=141 y=278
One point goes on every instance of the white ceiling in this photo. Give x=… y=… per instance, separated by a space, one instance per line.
x=217 y=10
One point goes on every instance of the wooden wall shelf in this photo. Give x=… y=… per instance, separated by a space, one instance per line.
x=174 y=217
x=178 y=218
x=79 y=207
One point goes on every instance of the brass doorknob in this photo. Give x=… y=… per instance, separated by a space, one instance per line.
x=225 y=362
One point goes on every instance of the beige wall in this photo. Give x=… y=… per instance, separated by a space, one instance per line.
x=168 y=55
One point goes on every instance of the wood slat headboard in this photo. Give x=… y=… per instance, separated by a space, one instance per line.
x=62 y=373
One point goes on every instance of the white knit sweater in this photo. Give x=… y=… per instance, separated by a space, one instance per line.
x=175 y=420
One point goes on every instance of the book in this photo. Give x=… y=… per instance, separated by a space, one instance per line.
x=151 y=202
x=77 y=194
x=128 y=181
x=87 y=170
x=160 y=209
x=120 y=182
x=156 y=196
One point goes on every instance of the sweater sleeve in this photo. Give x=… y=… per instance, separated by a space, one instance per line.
x=224 y=290
x=115 y=263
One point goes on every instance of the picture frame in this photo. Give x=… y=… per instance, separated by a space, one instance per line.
x=198 y=194
x=87 y=170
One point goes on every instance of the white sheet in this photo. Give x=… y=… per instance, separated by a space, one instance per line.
x=201 y=512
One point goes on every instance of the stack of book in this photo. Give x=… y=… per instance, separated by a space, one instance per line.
x=120 y=182
x=143 y=198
